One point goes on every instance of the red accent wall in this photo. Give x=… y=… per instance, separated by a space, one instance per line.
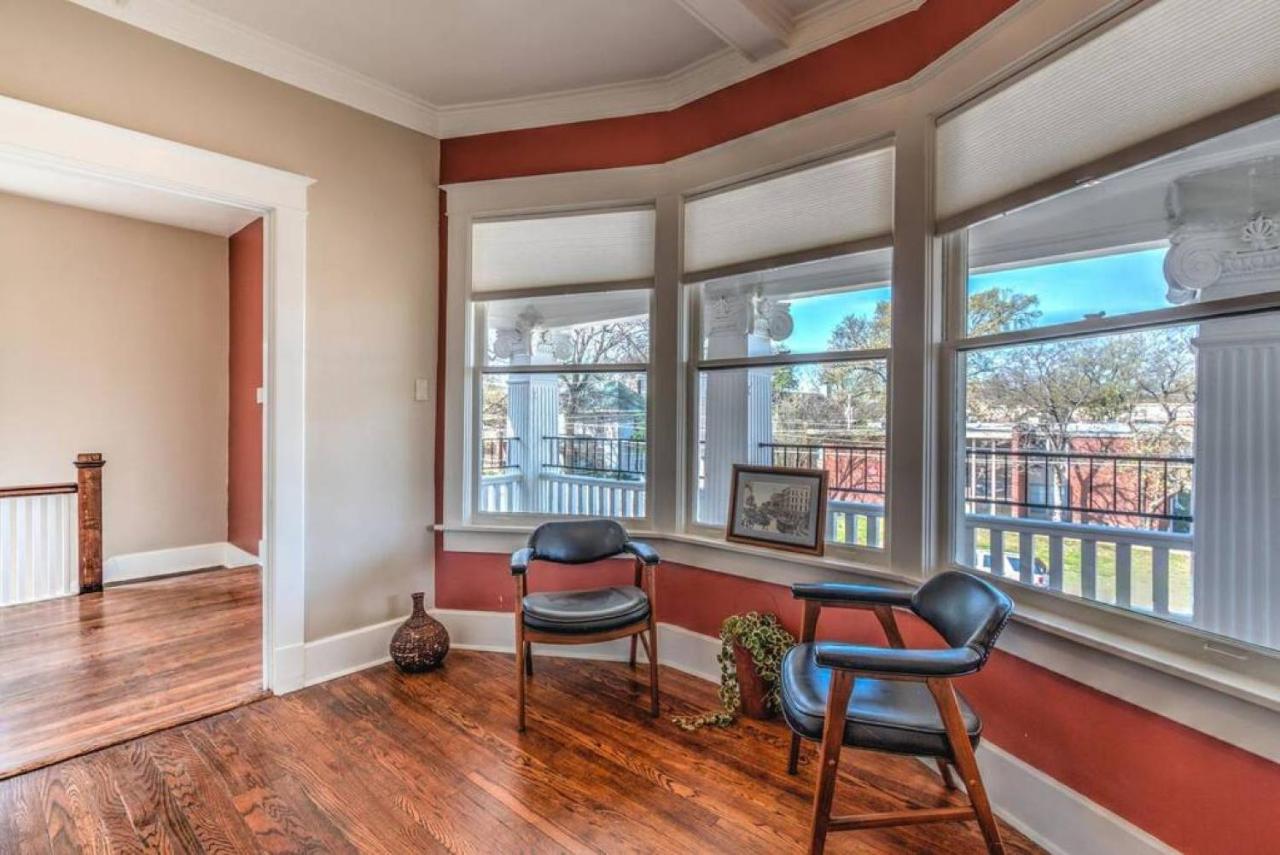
x=1192 y=791
x=244 y=429
x=865 y=62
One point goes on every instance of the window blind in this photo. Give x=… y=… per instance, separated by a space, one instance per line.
x=1170 y=63
x=831 y=204
x=570 y=249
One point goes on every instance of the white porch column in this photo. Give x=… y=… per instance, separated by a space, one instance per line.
x=738 y=412
x=1237 y=481
x=1222 y=246
x=533 y=410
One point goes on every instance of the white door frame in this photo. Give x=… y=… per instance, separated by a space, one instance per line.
x=76 y=149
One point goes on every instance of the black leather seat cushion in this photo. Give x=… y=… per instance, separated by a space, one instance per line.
x=596 y=610
x=897 y=716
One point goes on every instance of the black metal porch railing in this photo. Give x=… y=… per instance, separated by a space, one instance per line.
x=496 y=455
x=599 y=457
x=851 y=468
x=1151 y=489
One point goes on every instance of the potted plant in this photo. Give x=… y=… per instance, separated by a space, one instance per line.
x=752 y=647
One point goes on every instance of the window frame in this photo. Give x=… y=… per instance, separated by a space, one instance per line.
x=696 y=364
x=1186 y=638
x=477 y=368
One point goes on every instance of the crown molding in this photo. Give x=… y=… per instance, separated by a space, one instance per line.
x=816 y=29
x=195 y=27
x=191 y=25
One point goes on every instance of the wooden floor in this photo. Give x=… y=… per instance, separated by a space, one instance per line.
x=80 y=673
x=381 y=762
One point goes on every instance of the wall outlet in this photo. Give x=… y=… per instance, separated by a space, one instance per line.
x=422 y=390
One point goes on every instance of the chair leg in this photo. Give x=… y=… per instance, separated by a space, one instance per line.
x=632 y=660
x=528 y=658
x=829 y=758
x=520 y=679
x=653 y=667
x=793 y=755
x=966 y=763
x=944 y=769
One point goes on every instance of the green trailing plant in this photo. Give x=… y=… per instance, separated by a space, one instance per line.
x=767 y=642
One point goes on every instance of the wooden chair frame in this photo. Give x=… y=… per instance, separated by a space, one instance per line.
x=829 y=749
x=646 y=631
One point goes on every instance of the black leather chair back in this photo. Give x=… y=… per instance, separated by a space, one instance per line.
x=577 y=542
x=965 y=610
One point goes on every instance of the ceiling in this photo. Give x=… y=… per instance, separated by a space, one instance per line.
x=456 y=67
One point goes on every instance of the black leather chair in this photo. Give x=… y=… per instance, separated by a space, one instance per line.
x=584 y=617
x=893 y=699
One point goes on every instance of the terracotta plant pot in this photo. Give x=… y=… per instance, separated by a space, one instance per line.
x=751 y=687
x=421 y=642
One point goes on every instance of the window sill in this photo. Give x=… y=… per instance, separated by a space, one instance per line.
x=736 y=559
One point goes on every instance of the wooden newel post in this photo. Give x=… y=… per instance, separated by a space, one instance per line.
x=89 y=502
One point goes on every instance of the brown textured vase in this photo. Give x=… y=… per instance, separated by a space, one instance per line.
x=421 y=642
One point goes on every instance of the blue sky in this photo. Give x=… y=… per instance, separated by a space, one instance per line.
x=1115 y=284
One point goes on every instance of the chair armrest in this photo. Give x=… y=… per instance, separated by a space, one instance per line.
x=891 y=662
x=844 y=593
x=520 y=561
x=643 y=551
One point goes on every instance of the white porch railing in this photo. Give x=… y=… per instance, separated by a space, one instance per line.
x=1131 y=568
x=588 y=496
x=501 y=494
x=855 y=523
x=38 y=547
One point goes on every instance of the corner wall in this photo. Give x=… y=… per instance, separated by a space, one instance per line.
x=113 y=339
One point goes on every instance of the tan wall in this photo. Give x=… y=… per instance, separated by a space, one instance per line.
x=113 y=338
x=370 y=285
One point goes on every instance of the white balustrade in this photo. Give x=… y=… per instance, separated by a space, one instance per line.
x=501 y=494
x=1098 y=554
x=855 y=523
x=38 y=548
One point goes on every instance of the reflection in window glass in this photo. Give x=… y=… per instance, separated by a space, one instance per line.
x=817 y=416
x=566 y=443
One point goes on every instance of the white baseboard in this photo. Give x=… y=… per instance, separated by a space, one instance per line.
x=1056 y=817
x=164 y=562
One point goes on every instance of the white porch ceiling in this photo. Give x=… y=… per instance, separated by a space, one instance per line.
x=456 y=67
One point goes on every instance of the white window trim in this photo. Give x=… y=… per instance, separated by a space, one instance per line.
x=916 y=505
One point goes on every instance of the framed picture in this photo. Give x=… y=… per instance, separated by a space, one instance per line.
x=778 y=507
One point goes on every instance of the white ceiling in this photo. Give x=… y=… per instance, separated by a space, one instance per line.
x=454 y=67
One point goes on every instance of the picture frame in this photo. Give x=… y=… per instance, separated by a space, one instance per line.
x=778 y=507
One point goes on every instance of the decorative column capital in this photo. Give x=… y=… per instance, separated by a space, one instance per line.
x=773 y=319
x=1226 y=231
x=516 y=342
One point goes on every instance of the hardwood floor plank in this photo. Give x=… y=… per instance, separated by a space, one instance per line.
x=379 y=761
x=82 y=673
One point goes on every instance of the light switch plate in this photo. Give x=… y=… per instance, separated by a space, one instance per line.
x=422 y=390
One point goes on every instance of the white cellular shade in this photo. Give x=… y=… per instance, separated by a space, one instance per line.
x=543 y=251
x=1168 y=64
x=824 y=205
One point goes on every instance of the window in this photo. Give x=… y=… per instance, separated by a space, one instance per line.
x=562 y=350
x=789 y=279
x=1118 y=368
x=792 y=371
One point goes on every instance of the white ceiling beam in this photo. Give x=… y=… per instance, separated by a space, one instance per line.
x=756 y=28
